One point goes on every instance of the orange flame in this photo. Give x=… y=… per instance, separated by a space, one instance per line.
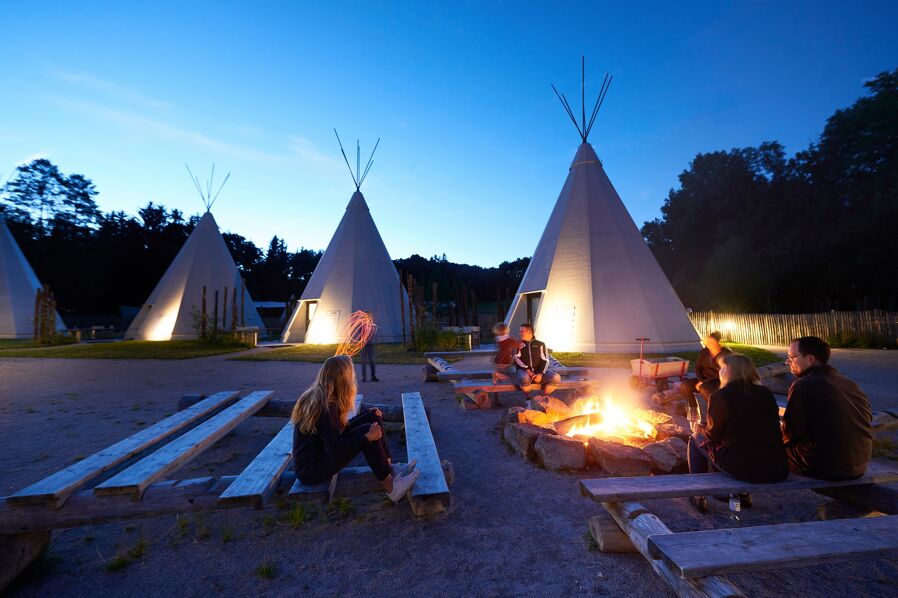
x=358 y=330
x=609 y=419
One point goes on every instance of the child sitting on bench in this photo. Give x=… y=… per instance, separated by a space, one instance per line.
x=325 y=439
x=507 y=346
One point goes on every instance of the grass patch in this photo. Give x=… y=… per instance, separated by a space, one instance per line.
x=341 y=507
x=187 y=349
x=299 y=514
x=622 y=360
x=885 y=448
x=393 y=353
x=123 y=559
x=267 y=570
x=28 y=343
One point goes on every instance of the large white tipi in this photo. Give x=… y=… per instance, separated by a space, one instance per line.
x=593 y=284
x=174 y=308
x=355 y=273
x=18 y=290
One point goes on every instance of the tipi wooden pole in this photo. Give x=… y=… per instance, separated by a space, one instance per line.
x=224 y=310
x=203 y=316
x=37 y=314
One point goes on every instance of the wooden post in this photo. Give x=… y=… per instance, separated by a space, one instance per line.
x=401 y=308
x=234 y=310
x=243 y=302
x=224 y=310
x=215 y=317
x=434 y=305
x=37 y=314
x=411 y=318
x=464 y=306
x=203 y=316
x=476 y=321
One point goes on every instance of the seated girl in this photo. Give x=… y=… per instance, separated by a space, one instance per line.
x=325 y=439
x=742 y=437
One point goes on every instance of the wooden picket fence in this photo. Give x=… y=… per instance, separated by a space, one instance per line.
x=779 y=329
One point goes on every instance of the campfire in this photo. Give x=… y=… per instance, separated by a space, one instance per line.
x=607 y=431
x=604 y=418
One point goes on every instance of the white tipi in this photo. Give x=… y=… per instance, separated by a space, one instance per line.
x=593 y=284
x=175 y=306
x=18 y=289
x=355 y=273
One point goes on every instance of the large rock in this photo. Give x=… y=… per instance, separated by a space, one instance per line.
x=678 y=428
x=509 y=417
x=537 y=418
x=560 y=452
x=555 y=408
x=678 y=447
x=620 y=460
x=522 y=437
x=663 y=456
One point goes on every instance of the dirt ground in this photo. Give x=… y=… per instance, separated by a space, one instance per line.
x=512 y=530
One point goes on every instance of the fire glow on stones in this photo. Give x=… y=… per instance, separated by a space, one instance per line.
x=604 y=418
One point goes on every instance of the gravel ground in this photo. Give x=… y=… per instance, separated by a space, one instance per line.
x=512 y=530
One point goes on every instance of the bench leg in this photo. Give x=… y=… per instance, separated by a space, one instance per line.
x=18 y=551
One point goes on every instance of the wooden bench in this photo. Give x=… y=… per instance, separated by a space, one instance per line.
x=693 y=563
x=741 y=550
x=456 y=374
x=430 y=494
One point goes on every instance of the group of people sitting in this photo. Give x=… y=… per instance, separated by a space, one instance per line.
x=525 y=361
x=826 y=431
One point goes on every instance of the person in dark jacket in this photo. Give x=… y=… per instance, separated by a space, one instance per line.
x=742 y=437
x=325 y=439
x=707 y=374
x=827 y=426
x=532 y=361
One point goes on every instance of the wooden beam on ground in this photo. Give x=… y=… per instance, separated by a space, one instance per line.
x=430 y=494
x=135 y=479
x=639 y=525
x=474 y=353
x=785 y=545
x=257 y=482
x=707 y=484
x=608 y=535
x=284 y=408
x=53 y=490
x=18 y=551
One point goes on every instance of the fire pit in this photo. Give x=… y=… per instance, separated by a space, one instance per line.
x=598 y=431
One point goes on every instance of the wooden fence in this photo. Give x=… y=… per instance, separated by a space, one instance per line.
x=779 y=329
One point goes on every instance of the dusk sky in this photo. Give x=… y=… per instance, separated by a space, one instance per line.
x=475 y=147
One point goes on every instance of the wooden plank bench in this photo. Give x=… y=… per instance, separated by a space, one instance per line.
x=55 y=489
x=457 y=374
x=710 y=484
x=430 y=494
x=720 y=551
x=477 y=394
x=135 y=479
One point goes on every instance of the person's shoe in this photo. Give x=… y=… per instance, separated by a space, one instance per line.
x=745 y=500
x=402 y=484
x=404 y=468
x=700 y=503
x=374 y=379
x=364 y=379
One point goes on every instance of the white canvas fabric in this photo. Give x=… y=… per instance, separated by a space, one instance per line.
x=599 y=285
x=18 y=290
x=355 y=273
x=174 y=307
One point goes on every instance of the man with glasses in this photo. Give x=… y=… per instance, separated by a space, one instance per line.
x=827 y=425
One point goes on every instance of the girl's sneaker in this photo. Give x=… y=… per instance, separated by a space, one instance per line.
x=402 y=484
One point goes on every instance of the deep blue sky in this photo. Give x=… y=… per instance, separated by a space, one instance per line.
x=474 y=140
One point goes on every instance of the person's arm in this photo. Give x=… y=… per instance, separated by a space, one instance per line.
x=336 y=441
x=517 y=358
x=544 y=356
x=717 y=417
x=795 y=418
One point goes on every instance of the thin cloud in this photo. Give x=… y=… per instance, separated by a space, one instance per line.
x=32 y=157
x=164 y=130
x=308 y=151
x=110 y=89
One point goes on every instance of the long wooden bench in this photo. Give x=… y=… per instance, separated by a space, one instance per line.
x=710 y=484
x=741 y=550
x=476 y=394
x=694 y=563
x=487 y=374
x=430 y=494
x=55 y=489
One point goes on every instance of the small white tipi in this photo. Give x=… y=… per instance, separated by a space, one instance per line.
x=18 y=289
x=593 y=284
x=175 y=306
x=355 y=273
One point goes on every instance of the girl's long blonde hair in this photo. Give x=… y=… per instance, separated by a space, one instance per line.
x=335 y=384
x=741 y=369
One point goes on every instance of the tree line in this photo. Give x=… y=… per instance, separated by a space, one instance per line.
x=748 y=229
